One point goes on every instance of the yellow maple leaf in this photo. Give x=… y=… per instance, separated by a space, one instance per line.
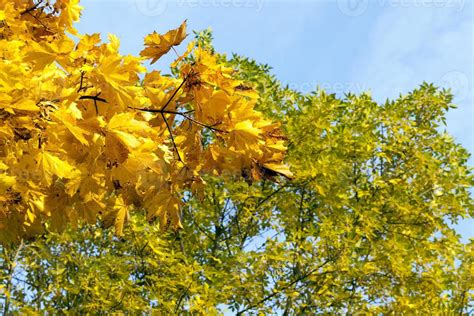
x=157 y=45
x=121 y=215
x=52 y=165
x=113 y=73
x=88 y=41
x=126 y=129
x=67 y=118
x=70 y=12
x=244 y=135
x=215 y=107
x=43 y=54
x=164 y=206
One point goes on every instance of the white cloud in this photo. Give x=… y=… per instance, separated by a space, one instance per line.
x=410 y=45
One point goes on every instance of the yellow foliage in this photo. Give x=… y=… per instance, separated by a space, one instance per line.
x=81 y=136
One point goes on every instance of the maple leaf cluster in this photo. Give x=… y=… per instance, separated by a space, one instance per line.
x=88 y=132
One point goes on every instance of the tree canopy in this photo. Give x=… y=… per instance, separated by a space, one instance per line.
x=363 y=226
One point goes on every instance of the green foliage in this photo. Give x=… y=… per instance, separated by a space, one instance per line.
x=91 y=270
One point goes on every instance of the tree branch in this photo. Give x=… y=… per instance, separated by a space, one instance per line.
x=183 y=114
x=31 y=8
x=180 y=300
x=172 y=137
x=176 y=91
x=93 y=97
x=301 y=278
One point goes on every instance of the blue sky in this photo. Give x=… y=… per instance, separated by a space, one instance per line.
x=383 y=46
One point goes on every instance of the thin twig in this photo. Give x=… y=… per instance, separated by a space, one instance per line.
x=31 y=8
x=95 y=98
x=180 y=300
x=92 y=97
x=39 y=21
x=81 y=84
x=266 y=298
x=171 y=135
x=183 y=114
x=176 y=91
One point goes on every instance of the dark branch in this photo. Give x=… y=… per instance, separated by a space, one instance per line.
x=183 y=114
x=180 y=300
x=31 y=8
x=171 y=135
x=93 y=97
x=176 y=91
x=81 y=84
